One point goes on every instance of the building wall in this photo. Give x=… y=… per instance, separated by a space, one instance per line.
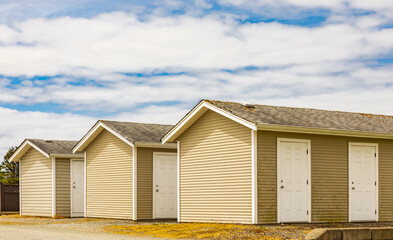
x=145 y=181
x=109 y=177
x=36 y=184
x=329 y=176
x=63 y=187
x=215 y=171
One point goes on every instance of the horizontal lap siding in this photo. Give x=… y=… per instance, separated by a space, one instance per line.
x=145 y=181
x=109 y=177
x=386 y=180
x=329 y=176
x=215 y=171
x=36 y=184
x=63 y=188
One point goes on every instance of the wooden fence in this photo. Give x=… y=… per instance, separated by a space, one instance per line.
x=9 y=198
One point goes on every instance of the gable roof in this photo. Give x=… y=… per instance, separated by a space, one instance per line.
x=49 y=148
x=307 y=120
x=54 y=146
x=131 y=133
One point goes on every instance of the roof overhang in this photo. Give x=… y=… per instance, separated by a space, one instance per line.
x=195 y=114
x=23 y=148
x=156 y=145
x=323 y=131
x=93 y=133
x=73 y=156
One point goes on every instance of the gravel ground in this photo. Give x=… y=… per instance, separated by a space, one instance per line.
x=37 y=228
x=39 y=232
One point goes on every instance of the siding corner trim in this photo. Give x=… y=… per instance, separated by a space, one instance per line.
x=254 y=159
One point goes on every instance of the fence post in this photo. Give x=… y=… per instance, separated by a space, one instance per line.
x=1 y=198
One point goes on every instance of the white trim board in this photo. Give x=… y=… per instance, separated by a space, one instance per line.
x=134 y=183
x=279 y=140
x=154 y=178
x=197 y=112
x=156 y=145
x=23 y=149
x=254 y=161
x=178 y=181
x=376 y=145
x=71 y=199
x=20 y=188
x=323 y=131
x=93 y=133
x=85 y=182
x=53 y=186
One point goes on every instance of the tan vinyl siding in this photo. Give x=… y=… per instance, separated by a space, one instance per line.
x=215 y=171
x=63 y=188
x=145 y=181
x=329 y=176
x=385 y=180
x=109 y=177
x=36 y=184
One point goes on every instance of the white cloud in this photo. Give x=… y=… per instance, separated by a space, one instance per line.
x=154 y=114
x=16 y=126
x=332 y=4
x=118 y=42
x=322 y=67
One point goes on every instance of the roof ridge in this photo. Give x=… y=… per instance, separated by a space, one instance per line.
x=102 y=120
x=57 y=140
x=304 y=108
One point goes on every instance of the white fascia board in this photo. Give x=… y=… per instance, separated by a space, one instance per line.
x=203 y=106
x=98 y=127
x=135 y=183
x=73 y=156
x=27 y=144
x=15 y=157
x=323 y=131
x=254 y=167
x=156 y=145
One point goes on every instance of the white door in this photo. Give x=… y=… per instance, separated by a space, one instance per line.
x=77 y=188
x=362 y=183
x=293 y=182
x=165 y=185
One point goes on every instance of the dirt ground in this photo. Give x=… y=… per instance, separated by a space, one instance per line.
x=85 y=228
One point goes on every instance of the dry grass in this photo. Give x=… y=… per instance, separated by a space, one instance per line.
x=193 y=231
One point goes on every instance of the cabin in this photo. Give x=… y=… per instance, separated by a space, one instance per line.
x=129 y=173
x=50 y=178
x=259 y=164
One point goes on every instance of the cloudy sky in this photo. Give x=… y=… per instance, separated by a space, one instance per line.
x=65 y=64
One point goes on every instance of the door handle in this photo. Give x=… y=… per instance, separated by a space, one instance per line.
x=282 y=186
x=73 y=186
x=157 y=190
x=353 y=188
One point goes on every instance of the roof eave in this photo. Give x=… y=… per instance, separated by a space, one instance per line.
x=323 y=131
x=156 y=145
x=93 y=133
x=194 y=115
x=73 y=156
x=23 y=148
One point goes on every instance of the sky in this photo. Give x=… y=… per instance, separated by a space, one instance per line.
x=66 y=64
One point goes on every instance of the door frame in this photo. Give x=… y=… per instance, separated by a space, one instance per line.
x=154 y=178
x=71 y=198
x=293 y=140
x=351 y=144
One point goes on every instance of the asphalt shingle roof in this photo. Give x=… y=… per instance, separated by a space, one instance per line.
x=139 y=132
x=309 y=118
x=54 y=146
